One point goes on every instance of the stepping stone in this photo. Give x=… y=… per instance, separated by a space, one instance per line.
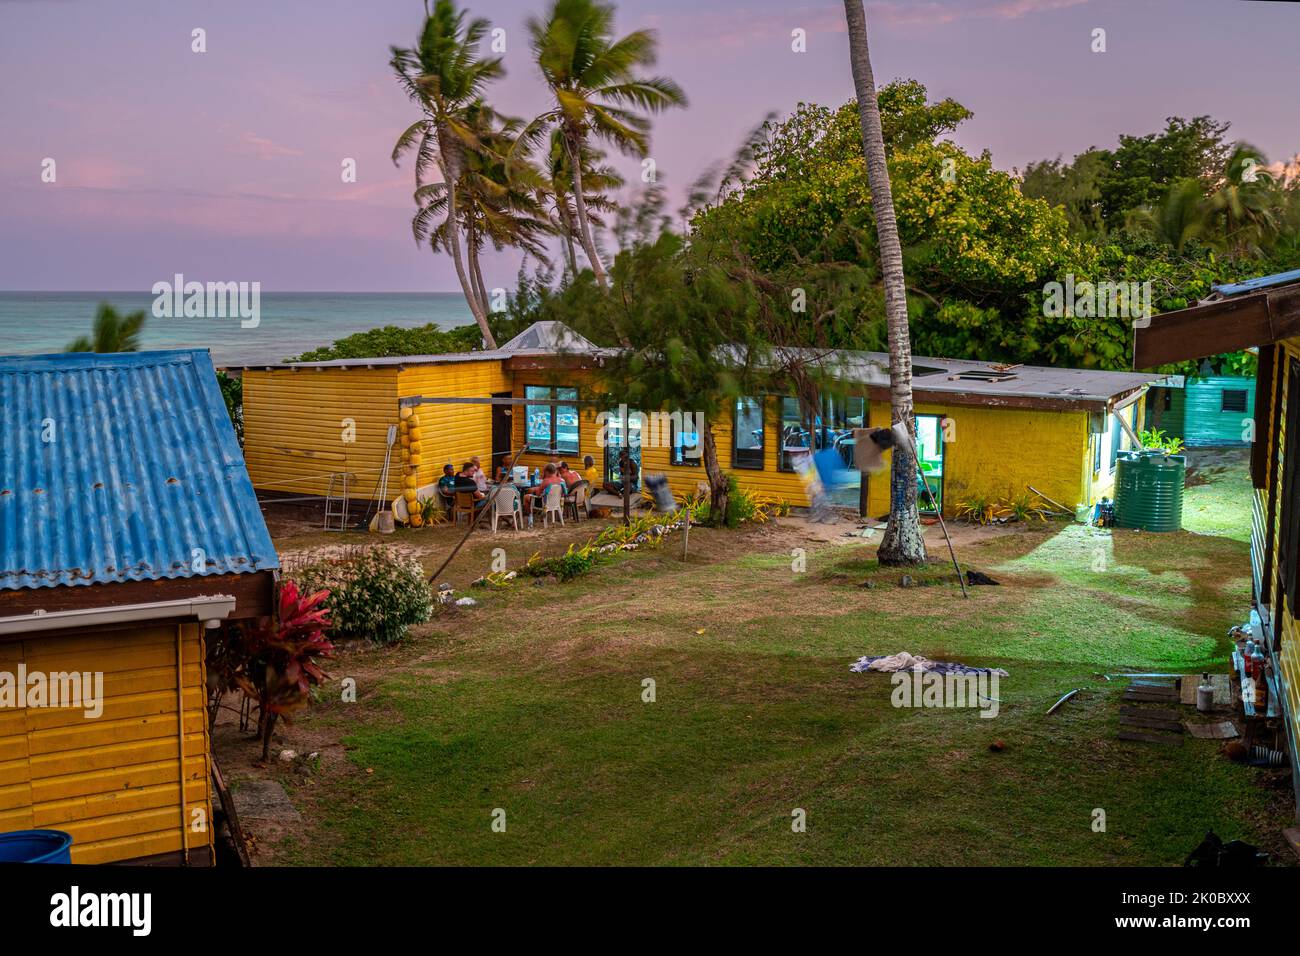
x=1152 y=723
x=1149 y=738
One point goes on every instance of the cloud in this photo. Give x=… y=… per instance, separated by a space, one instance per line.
x=264 y=148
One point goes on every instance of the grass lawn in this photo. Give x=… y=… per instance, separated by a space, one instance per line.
x=532 y=703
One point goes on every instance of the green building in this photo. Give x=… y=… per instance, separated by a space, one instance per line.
x=1203 y=410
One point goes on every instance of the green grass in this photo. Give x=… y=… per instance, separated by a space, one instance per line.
x=533 y=704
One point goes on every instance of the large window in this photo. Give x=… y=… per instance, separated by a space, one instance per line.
x=747 y=433
x=1232 y=400
x=832 y=429
x=686 y=443
x=552 y=428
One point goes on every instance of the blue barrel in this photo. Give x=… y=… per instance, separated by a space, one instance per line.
x=35 y=846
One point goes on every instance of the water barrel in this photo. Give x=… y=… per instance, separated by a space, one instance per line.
x=35 y=846
x=1149 y=490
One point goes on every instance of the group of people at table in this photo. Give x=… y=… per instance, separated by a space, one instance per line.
x=471 y=479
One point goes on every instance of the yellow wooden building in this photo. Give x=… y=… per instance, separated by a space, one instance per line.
x=127 y=527
x=1264 y=314
x=983 y=430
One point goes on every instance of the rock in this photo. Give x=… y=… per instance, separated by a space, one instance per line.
x=444 y=586
x=460 y=602
x=287 y=756
x=906 y=581
x=869 y=585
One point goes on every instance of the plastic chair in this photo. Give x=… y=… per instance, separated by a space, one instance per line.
x=506 y=507
x=577 y=498
x=553 y=504
x=466 y=505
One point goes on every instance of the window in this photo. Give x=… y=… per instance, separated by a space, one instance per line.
x=794 y=434
x=1118 y=437
x=747 y=433
x=1232 y=400
x=685 y=443
x=551 y=428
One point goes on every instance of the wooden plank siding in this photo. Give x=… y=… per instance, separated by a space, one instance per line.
x=294 y=428
x=452 y=434
x=112 y=782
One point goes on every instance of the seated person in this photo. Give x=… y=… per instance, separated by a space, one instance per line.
x=505 y=469
x=590 y=472
x=447 y=485
x=569 y=476
x=480 y=477
x=466 y=481
x=628 y=474
x=550 y=476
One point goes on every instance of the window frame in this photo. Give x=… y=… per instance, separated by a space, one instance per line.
x=1223 y=400
x=677 y=460
x=553 y=398
x=736 y=450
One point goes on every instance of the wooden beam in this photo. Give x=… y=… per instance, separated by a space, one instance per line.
x=254 y=594
x=1214 y=328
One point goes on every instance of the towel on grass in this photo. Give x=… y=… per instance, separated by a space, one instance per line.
x=904 y=661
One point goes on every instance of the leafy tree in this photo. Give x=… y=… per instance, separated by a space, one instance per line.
x=112 y=332
x=1071 y=186
x=597 y=91
x=902 y=542
x=391 y=340
x=1143 y=169
x=445 y=77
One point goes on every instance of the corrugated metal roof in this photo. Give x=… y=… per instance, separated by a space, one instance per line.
x=121 y=467
x=1254 y=285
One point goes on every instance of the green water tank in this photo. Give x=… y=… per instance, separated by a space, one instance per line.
x=1149 y=490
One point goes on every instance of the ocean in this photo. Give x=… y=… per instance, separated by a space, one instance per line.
x=33 y=323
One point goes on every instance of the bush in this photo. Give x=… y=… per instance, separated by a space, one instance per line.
x=374 y=593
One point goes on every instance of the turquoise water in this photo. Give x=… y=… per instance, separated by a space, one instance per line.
x=32 y=323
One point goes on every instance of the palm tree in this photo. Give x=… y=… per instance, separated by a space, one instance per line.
x=112 y=333
x=902 y=543
x=444 y=75
x=1247 y=207
x=499 y=198
x=1183 y=215
x=598 y=180
x=597 y=91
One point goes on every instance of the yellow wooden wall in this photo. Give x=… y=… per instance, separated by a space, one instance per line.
x=113 y=781
x=1284 y=624
x=452 y=434
x=294 y=428
x=996 y=451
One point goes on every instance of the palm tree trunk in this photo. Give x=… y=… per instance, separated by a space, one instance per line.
x=449 y=172
x=902 y=543
x=566 y=221
x=475 y=272
x=574 y=148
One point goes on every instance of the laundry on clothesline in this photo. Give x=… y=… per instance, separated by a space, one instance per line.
x=903 y=661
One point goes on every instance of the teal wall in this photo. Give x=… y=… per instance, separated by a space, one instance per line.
x=1196 y=414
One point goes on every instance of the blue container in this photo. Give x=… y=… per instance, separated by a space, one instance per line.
x=35 y=846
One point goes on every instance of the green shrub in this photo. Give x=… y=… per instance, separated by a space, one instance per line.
x=374 y=593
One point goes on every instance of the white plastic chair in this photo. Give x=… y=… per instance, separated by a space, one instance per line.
x=577 y=499
x=553 y=504
x=506 y=507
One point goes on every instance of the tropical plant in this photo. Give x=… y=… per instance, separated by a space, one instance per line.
x=375 y=593
x=901 y=543
x=445 y=77
x=232 y=393
x=980 y=509
x=1155 y=438
x=598 y=92
x=1023 y=508
x=1245 y=204
x=277 y=662
x=112 y=332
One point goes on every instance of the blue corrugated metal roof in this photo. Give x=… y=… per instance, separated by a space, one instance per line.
x=121 y=467
x=1254 y=285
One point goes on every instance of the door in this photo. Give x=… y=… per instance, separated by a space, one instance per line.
x=501 y=438
x=929 y=462
x=620 y=432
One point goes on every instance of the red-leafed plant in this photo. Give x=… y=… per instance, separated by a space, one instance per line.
x=279 y=665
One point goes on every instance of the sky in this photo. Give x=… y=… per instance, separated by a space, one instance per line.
x=226 y=165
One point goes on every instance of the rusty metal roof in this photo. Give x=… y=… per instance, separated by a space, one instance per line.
x=121 y=467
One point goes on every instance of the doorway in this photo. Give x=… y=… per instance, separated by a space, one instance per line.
x=620 y=432
x=501 y=434
x=929 y=462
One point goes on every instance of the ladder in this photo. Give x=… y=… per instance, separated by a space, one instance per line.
x=336 y=505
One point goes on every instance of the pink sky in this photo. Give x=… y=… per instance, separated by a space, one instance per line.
x=226 y=165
